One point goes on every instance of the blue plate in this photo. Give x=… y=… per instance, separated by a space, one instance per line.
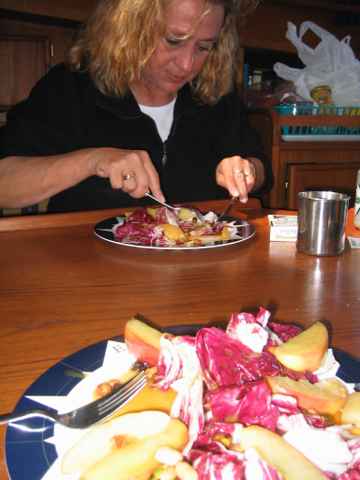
x=29 y=457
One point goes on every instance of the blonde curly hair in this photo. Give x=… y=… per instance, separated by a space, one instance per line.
x=121 y=35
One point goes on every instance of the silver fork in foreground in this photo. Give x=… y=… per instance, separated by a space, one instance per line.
x=89 y=414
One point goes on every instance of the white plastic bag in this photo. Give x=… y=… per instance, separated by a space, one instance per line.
x=332 y=62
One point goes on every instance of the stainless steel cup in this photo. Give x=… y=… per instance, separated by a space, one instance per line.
x=321 y=222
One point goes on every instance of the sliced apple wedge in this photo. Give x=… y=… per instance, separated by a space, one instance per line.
x=276 y=451
x=149 y=398
x=326 y=397
x=142 y=341
x=351 y=411
x=125 y=447
x=173 y=232
x=186 y=214
x=138 y=460
x=304 y=351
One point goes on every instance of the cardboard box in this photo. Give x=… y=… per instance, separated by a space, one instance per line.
x=283 y=228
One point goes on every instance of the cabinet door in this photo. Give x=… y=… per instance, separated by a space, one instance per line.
x=338 y=177
x=23 y=61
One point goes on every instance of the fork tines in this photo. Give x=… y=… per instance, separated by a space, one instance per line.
x=118 y=398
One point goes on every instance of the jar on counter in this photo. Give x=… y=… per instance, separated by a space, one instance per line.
x=357 y=202
x=321 y=94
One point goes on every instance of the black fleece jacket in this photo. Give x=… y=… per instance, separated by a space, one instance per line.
x=66 y=112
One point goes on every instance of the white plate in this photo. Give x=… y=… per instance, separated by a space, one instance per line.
x=103 y=230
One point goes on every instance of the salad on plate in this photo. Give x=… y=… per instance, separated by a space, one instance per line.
x=259 y=400
x=162 y=227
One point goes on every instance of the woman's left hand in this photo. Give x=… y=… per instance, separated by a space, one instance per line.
x=237 y=175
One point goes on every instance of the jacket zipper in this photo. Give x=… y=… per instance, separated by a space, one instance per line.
x=171 y=133
x=164 y=144
x=164 y=155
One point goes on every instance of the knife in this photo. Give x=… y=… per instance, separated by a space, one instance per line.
x=228 y=207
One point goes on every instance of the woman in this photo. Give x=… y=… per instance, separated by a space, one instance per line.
x=145 y=103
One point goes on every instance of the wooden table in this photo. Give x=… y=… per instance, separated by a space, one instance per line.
x=62 y=289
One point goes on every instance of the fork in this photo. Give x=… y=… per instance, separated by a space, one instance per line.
x=89 y=414
x=228 y=207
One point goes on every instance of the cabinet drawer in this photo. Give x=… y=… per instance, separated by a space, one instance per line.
x=337 y=177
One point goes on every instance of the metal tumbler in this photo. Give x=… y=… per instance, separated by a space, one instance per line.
x=321 y=222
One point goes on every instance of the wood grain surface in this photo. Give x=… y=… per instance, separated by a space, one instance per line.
x=62 y=289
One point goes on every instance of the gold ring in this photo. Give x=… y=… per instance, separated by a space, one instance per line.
x=128 y=176
x=238 y=172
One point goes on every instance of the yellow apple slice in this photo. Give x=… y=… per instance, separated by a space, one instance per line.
x=351 y=411
x=276 y=451
x=152 y=211
x=173 y=232
x=335 y=386
x=325 y=397
x=225 y=234
x=186 y=214
x=149 y=398
x=98 y=441
x=125 y=446
x=304 y=351
x=138 y=460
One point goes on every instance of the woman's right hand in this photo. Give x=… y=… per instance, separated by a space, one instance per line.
x=130 y=170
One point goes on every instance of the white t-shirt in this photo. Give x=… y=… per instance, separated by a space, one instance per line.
x=163 y=117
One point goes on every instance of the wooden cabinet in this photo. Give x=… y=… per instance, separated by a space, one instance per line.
x=300 y=165
x=77 y=10
x=27 y=51
x=23 y=61
x=340 y=177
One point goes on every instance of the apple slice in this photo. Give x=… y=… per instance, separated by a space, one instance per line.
x=288 y=461
x=152 y=211
x=142 y=341
x=149 y=398
x=326 y=397
x=173 y=232
x=124 y=447
x=137 y=460
x=186 y=214
x=351 y=411
x=304 y=351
